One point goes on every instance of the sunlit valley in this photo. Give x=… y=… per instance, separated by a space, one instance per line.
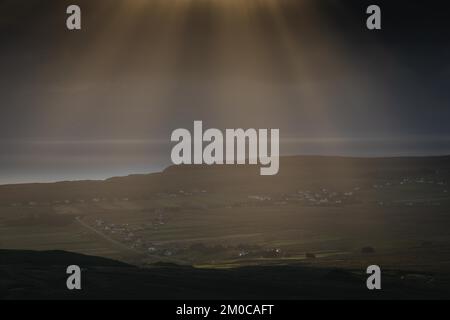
x=321 y=212
x=361 y=116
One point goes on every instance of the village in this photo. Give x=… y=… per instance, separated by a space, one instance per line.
x=167 y=225
x=143 y=235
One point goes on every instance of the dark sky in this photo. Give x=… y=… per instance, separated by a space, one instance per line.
x=103 y=101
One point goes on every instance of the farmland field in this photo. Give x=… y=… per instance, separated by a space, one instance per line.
x=389 y=212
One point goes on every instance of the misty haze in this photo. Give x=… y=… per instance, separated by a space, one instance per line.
x=86 y=176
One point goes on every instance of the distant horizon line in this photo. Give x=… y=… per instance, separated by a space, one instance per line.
x=281 y=157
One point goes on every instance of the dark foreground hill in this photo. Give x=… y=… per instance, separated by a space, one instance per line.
x=53 y=258
x=41 y=275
